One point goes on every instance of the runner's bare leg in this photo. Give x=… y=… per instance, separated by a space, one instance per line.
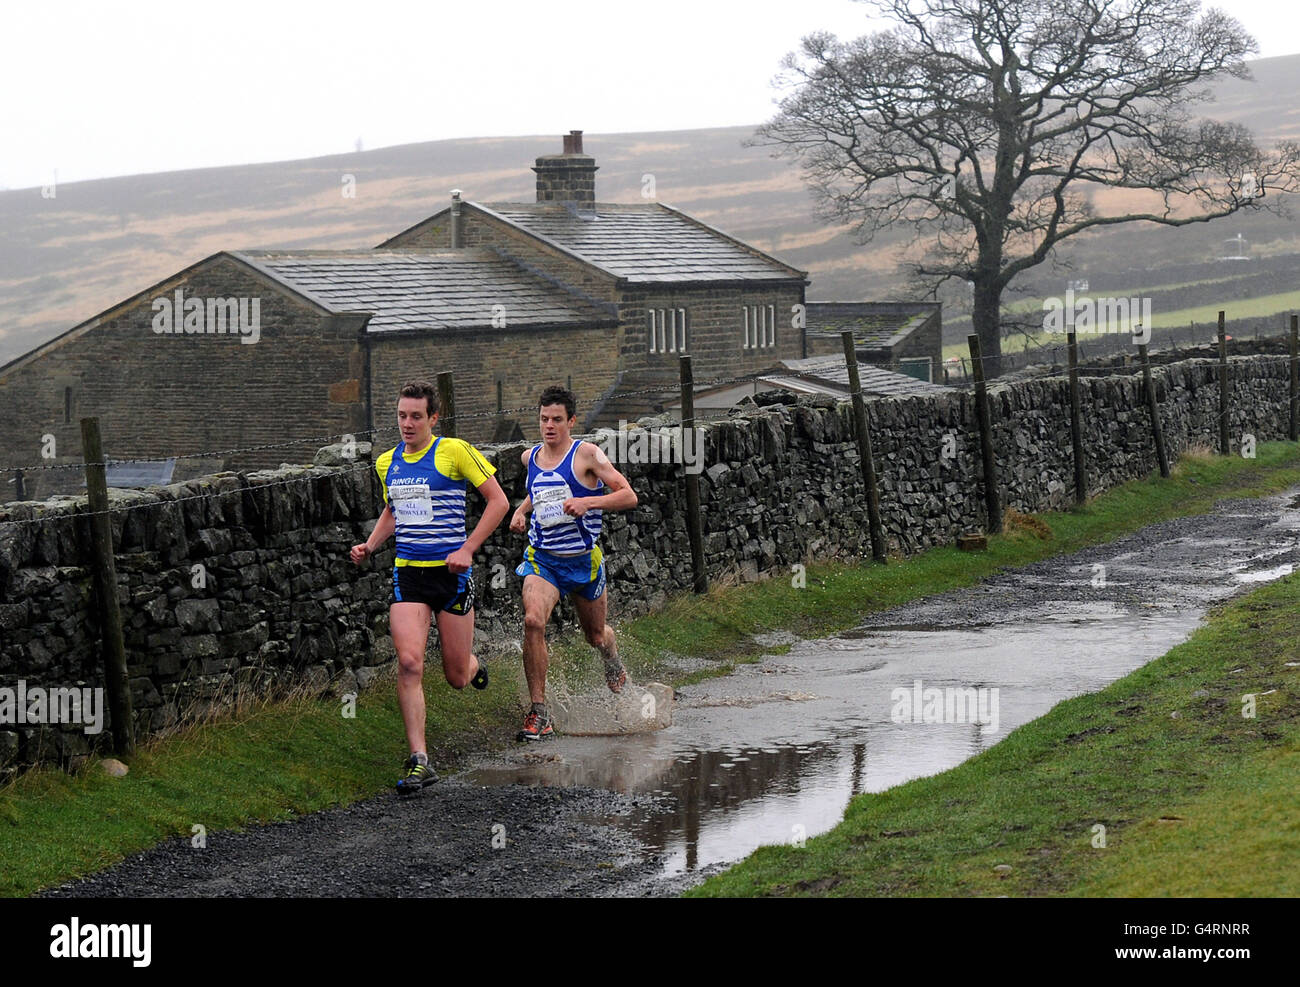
x=540 y=598
x=592 y=615
x=409 y=623
x=456 y=637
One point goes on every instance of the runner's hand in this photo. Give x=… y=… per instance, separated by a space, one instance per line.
x=574 y=507
x=360 y=553
x=460 y=561
x=519 y=522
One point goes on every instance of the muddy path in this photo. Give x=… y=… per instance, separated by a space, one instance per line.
x=769 y=754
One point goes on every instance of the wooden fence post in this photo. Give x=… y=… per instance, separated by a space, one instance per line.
x=694 y=525
x=446 y=404
x=864 y=447
x=1295 y=376
x=1076 y=423
x=1223 y=389
x=1157 y=432
x=105 y=574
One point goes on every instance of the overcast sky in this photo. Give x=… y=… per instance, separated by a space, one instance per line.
x=94 y=89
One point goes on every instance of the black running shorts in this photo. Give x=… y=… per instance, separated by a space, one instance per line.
x=434 y=585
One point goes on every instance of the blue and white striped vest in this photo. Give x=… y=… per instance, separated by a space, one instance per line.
x=551 y=529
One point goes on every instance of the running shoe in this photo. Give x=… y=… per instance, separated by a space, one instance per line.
x=480 y=679
x=537 y=726
x=417 y=776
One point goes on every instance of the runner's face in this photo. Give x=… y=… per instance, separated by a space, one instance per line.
x=414 y=421
x=555 y=423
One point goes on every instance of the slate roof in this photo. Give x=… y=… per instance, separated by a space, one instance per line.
x=830 y=375
x=643 y=243
x=876 y=325
x=426 y=290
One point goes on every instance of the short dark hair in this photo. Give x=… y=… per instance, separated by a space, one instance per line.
x=555 y=394
x=421 y=389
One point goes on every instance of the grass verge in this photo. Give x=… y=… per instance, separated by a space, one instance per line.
x=289 y=759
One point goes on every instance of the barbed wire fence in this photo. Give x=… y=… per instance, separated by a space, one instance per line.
x=660 y=392
x=958 y=370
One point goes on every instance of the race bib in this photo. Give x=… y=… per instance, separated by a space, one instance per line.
x=548 y=506
x=412 y=503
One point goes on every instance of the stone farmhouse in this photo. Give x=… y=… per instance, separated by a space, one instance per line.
x=251 y=348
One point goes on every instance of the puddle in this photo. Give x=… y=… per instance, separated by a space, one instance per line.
x=1265 y=576
x=772 y=753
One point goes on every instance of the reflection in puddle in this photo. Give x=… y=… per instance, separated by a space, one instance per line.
x=861 y=632
x=714 y=801
x=724 y=800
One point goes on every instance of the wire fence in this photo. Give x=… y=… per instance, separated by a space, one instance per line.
x=660 y=391
x=1058 y=357
x=958 y=371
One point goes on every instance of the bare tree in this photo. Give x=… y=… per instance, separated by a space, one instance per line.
x=989 y=125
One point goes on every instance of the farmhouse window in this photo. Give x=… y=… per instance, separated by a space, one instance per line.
x=666 y=329
x=760 y=327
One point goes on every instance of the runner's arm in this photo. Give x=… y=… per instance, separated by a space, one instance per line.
x=382 y=531
x=497 y=505
x=621 y=496
x=468 y=464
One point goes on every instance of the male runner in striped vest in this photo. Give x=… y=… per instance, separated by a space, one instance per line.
x=570 y=483
x=424 y=484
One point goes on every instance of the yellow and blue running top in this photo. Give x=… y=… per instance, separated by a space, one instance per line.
x=426 y=491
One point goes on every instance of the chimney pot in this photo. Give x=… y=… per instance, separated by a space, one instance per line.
x=456 y=240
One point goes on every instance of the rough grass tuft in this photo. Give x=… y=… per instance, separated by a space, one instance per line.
x=1014 y=522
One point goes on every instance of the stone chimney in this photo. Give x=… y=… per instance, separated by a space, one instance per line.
x=567 y=177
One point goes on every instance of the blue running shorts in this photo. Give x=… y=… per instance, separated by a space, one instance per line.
x=582 y=574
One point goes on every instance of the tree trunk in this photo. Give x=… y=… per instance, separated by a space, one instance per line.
x=986 y=318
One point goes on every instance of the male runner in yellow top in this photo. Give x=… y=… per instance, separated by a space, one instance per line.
x=424 y=484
